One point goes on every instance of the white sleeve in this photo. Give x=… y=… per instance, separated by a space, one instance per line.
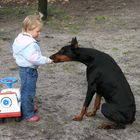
x=34 y=56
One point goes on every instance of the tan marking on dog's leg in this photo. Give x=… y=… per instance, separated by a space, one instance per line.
x=80 y=116
x=108 y=126
x=95 y=107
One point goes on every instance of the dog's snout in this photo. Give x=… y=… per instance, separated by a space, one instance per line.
x=52 y=57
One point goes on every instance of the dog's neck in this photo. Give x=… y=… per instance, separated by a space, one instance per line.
x=85 y=55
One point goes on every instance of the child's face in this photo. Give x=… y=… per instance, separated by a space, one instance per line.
x=35 y=32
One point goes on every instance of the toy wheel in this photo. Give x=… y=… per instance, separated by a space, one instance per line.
x=2 y=120
x=6 y=102
x=18 y=119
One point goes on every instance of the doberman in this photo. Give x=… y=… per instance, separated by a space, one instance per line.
x=106 y=79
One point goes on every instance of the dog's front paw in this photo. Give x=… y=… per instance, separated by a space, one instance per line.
x=77 y=118
x=90 y=114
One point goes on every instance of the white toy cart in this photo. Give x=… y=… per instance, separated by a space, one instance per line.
x=10 y=103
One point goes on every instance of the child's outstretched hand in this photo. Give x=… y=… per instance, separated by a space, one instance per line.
x=50 y=61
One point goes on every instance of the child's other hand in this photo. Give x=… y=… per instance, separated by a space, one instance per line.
x=50 y=61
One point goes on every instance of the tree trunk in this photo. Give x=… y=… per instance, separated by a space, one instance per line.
x=42 y=7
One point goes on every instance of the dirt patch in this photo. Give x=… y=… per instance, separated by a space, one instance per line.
x=110 y=26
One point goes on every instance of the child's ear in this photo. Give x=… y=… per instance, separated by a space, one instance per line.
x=74 y=43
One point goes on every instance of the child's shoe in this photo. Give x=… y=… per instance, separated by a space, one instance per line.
x=35 y=118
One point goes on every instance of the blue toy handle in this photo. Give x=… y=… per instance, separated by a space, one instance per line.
x=8 y=81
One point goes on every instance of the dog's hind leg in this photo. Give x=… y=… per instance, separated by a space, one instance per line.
x=113 y=113
x=109 y=126
x=95 y=107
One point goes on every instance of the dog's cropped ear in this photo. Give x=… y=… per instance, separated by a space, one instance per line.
x=74 y=43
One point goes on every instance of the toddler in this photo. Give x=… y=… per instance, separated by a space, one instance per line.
x=27 y=54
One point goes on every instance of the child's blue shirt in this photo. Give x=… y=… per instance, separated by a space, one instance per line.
x=26 y=51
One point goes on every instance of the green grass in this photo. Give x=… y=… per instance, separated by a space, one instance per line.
x=115 y=49
x=16 y=12
x=118 y=22
x=100 y=22
x=59 y=19
x=126 y=53
x=56 y=18
x=100 y=19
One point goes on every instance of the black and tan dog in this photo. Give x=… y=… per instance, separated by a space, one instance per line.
x=106 y=79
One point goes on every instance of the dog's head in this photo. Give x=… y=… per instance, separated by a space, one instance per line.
x=66 y=53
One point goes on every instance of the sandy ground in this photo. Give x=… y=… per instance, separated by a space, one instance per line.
x=61 y=88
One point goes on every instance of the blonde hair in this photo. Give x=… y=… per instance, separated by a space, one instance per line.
x=31 y=22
